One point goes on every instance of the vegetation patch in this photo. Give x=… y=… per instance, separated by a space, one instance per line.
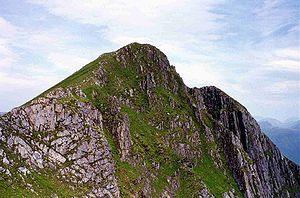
x=44 y=184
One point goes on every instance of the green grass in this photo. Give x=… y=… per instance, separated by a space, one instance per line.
x=79 y=75
x=8 y=189
x=126 y=173
x=147 y=140
x=148 y=143
x=119 y=81
x=181 y=106
x=208 y=120
x=190 y=184
x=167 y=168
x=146 y=137
x=217 y=179
x=214 y=178
x=76 y=78
x=44 y=185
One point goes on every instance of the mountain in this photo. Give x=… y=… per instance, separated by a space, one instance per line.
x=286 y=136
x=126 y=125
x=292 y=119
x=288 y=123
x=293 y=125
x=272 y=121
x=265 y=125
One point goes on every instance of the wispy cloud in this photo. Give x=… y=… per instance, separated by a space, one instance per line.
x=286 y=59
x=32 y=60
x=162 y=23
x=7 y=31
x=275 y=16
x=249 y=49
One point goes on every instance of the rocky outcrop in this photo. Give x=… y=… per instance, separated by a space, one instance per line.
x=63 y=133
x=121 y=133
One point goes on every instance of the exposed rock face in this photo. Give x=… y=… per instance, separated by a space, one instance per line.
x=122 y=135
x=257 y=164
x=126 y=126
x=67 y=135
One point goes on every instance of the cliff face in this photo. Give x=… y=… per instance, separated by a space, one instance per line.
x=256 y=163
x=125 y=125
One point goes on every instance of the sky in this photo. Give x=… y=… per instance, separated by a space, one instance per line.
x=249 y=49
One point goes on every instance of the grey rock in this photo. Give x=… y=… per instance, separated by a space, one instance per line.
x=122 y=134
x=59 y=131
x=266 y=172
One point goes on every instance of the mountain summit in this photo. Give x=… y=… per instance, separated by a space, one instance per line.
x=126 y=125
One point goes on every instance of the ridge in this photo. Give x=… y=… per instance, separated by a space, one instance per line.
x=126 y=125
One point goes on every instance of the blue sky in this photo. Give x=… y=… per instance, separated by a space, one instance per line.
x=249 y=49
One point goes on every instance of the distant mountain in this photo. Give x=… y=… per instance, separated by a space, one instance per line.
x=291 y=119
x=292 y=122
x=265 y=125
x=1 y=113
x=286 y=135
x=293 y=125
x=274 y=122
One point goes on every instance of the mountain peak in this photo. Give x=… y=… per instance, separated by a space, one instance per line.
x=143 y=53
x=126 y=125
x=138 y=50
x=135 y=46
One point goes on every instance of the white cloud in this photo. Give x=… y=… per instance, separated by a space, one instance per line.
x=284 y=59
x=10 y=82
x=67 y=62
x=6 y=28
x=273 y=15
x=176 y=27
x=7 y=32
x=286 y=64
x=7 y=57
x=194 y=74
x=16 y=89
x=45 y=40
x=162 y=21
x=290 y=53
x=288 y=86
x=24 y=81
x=19 y=79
